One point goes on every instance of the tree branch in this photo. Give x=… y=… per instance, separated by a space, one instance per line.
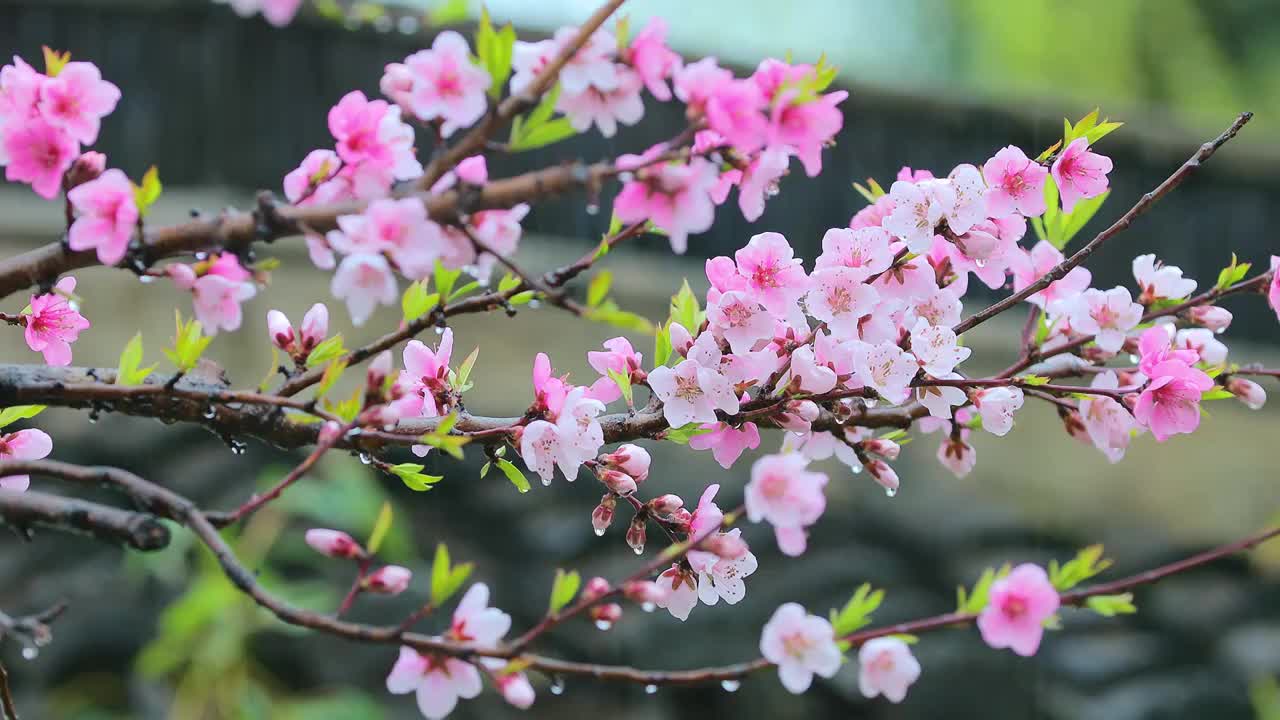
x=25 y=510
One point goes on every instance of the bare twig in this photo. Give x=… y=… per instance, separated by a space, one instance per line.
x=25 y=510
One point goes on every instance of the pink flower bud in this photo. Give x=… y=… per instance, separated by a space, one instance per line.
x=618 y=482
x=681 y=518
x=886 y=449
x=602 y=516
x=378 y=371
x=1212 y=317
x=473 y=170
x=315 y=325
x=885 y=475
x=630 y=459
x=397 y=83
x=87 y=167
x=727 y=547
x=664 y=506
x=388 y=580
x=333 y=543
x=606 y=615
x=516 y=689
x=681 y=340
x=636 y=534
x=596 y=587
x=330 y=433
x=644 y=591
x=182 y=275
x=1248 y=392
x=280 y=330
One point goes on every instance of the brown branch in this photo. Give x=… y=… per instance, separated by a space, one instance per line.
x=1144 y=204
x=6 y=696
x=25 y=510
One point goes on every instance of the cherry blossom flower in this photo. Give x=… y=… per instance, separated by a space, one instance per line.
x=1170 y=403
x=1020 y=603
x=773 y=273
x=218 y=293
x=315 y=326
x=696 y=82
x=1155 y=347
x=620 y=358
x=676 y=197
x=1204 y=343
x=1108 y=424
x=886 y=368
x=805 y=127
x=839 y=298
x=740 y=320
x=996 y=406
x=54 y=323
x=786 y=494
x=1211 y=317
x=726 y=442
x=907 y=281
x=514 y=685
x=734 y=112
x=19 y=91
x=940 y=308
x=76 y=100
x=722 y=578
x=280 y=331
x=364 y=281
x=937 y=348
x=1107 y=315
x=808 y=375
x=399 y=228
x=760 y=180
x=970 y=205
x=679 y=591
x=958 y=456
x=106 y=218
x=1273 y=288
x=333 y=543
x=630 y=459
x=388 y=580
x=1079 y=173
x=939 y=399
x=864 y=251
x=425 y=380
x=446 y=85
x=916 y=214
x=1016 y=183
x=692 y=393
x=38 y=153
x=1030 y=267
x=874 y=214
x=372 y=137
x=301 y=185
x=30 y=444
x=1248 y=392
x=605 y=108
x=886 y=667
x=801 y=645
x=1159 y=281
x=650 y=57
x=574 y=438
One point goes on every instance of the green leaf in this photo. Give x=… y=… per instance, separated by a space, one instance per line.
x=1073 y=222
x=127 y=371
x=331 y=373
x=11 y=415
x=445 y=579
x=146 y=194
x=1087 y=563
x=523 y=298
x=348 y=409
x=463 y=290
x=412 y=476
x=1112 y=605
x=508 y=283
x=622 y=31
x=552 y=131
x=189 y=343
x=598 y=290
x=1216 y=393
x=327 y=350
x=513 y=474
x=681 y=435
x=856 y=613
x=662 y=346
x=609 y=312
x=494 y=48
x=686 y=310
x=871 y=192
x=450 y=12
x=381 y=527
x=1102 y=130
x=563 y=589
x=461 y=382
x=1232 y=274
x=445 y=279
x=623 y=381
x=1034 y=380
x=975 y=600
x=1048 y=152
x=417 y=302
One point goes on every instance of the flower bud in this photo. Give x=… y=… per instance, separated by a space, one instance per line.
x=330 y=433
x=279 y=330
x=630 y=459
x=315 y=325
x=86 y=168
x=606 y=615
x=182 y=275
x=681 y=340
x=388 y=580
x=681 y=518
x=596 y=587
x=885 y=475
x=645 y=592
x=886 y=449
x=397 y=83
x=333 y=543
x=602 y=516
x=636 y=533
x=1248 y=392
x=1211 y=316
x=515 y=688
x=726 y=546
x=664 y=506
x=377 y=372
x=618 y=482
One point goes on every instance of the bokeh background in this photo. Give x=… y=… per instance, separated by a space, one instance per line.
x=225 y=106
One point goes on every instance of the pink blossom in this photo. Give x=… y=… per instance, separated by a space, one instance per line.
x=726 y=443
x=1159 y=281
x=785 y=493
x=916 y=214
x=939 y=399
x=276 y=12
x=1155 y=347
x=371 y=136
x=692 y=393
x=805 y=126
x=937 y=348
x=89 y=166
x=1107 y=315
x=513 y=684
x=39 y=154
x=446 y=84
x=1079 y=173
x=319 y=252
x=182 y=275
x=874 y=214
x=652 y=59
x=1273 y=288
x=315 y=326
x=996 y=406
x=399 y=228
x=365 y=281
x=76 y=101
x=695 y=83
x=738 y=318
x=630 y=459
x=721 y=578
x=808 y=375
x=864 y=251
x=839 y=298
x=801 y=645
x=707 y=516
x=1204 y=343
x=317 y=168
x=19 y=91
x=886 y=667
x=1020 y=603
x=388 y=580
x=106 y=218
x=676 y=197
x=886 y=368
x=605 y=108
x=477 y=623
x=279 y=330
x=574 y=437
x=907 y=281
x=425 y=379
x=1248 y=392
x=54 y=323
x=1016 y=183
x=219 y=292
x=620 y=358
x=1170 y=403
x=1030 y=267
x=678 y=591
x=760 y=180
x=940 y=308
x=734 y=110
x=958 y=456
x=772 y=272
x=1108 y=424
x=969 y=206
x=30 y=444
x=1211 y=317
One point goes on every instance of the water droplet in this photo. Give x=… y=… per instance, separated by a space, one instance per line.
x=237 y=449
x=648 y=606
x=603 y=625
x=593 y=208
x=73 y=305
x=626 y=176
x=439 y=330
x=639 y=549
x=535 y=303
x=650 y=689
x=29 y=653
x=891 y=491
x=557 y=685
x=210 y=412
x=523 y=489
x=980 y=263
x=365 y=458
x=1134 y=359
x=93 y=415
x=408 y=25
x=599 y=532
x=730 y=685
x=772 y=189
x=146 y=279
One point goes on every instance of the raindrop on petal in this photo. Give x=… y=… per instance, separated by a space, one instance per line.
x=730 y=685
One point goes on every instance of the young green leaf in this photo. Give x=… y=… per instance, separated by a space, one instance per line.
x=412 y=476
x=11 y=415
x=681 y=435
x=975 y=600
x=1087 y=563
x=127 y=371
x=327 y=350
x=609 y=312
x=417 y=302
x=662 y=346
x=598 y=289
x=508 y=283
x=461 y=381
x=856 y=613
x=331 y=373
x=1070 y=224
x=446 y=579
x=146 y=194
x=563 y=589
x=1112 y=605
x=381 y=527
x=513 y=474
x=494 y=48
x=623 y=381
x=189 y=343
x=445 y=279
x=686 y=310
